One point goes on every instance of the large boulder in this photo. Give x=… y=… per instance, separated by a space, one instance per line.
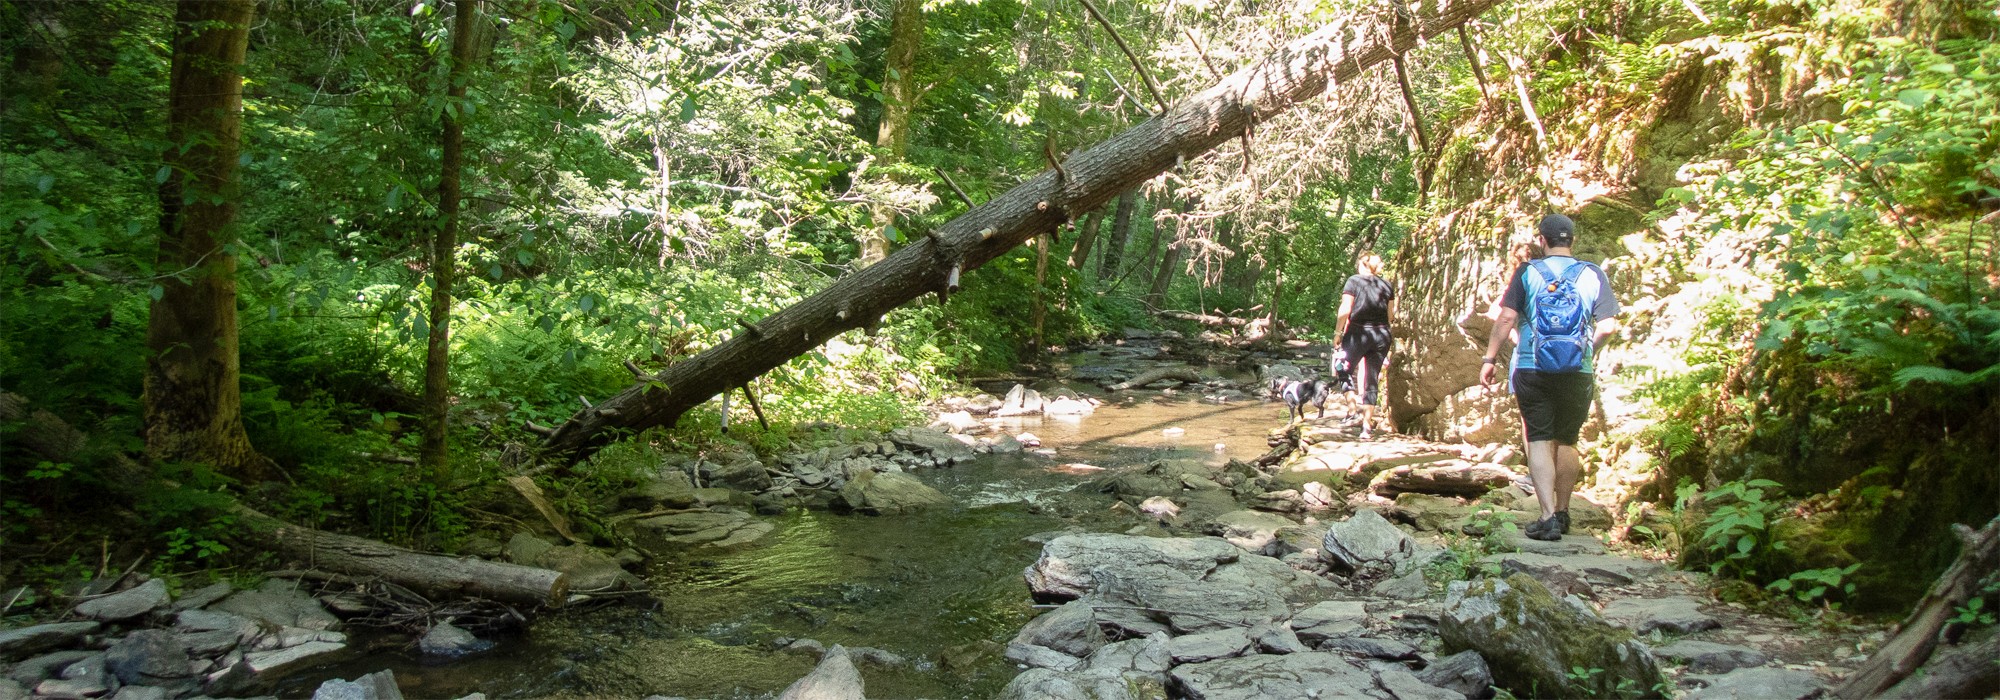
x=888 y=493
x=835 y=678
x=1366 y=541
x=1533 y=640
x=697 y=528
x=1317 y=674
x=126 y=604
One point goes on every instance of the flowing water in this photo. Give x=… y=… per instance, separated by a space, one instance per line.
x=942 y=589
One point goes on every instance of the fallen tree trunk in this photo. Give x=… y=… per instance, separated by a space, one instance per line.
x=431 y=574
x=1337 y=52
x=1470 y=480
x=49 y=437
x=1158 y=374
x=1921 y=632
x=1205 y=319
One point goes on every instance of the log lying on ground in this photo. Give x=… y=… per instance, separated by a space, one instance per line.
x=1206 y=319
x=1158 y=374
x=1337 y=52
x=1920 y=633
x=1461 y=479
x=49 y=437
x=431 y=574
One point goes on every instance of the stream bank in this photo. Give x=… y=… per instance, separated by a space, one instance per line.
x=743 y=590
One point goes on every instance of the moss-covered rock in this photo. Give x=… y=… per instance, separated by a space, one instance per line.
x=1539 y=645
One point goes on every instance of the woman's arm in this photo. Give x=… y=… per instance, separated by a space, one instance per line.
x=1346 y=310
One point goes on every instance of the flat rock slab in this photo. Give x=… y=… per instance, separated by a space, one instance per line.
x=148 y=657
x=1312 y=674
x=1330 y=619
x=699 y=528
x=126 y=604
x=1756 y=684
x=1252 y=530
x=1570 y=545
x=1069 y=566
x=26 y=641
x=1596 y=568
x=278 y=604
x=1366 y=539
x=1677 y=615
x=1710 y=657
x=203 y=597
x=267 y=662
x=1209 y=646
x=1406 y=686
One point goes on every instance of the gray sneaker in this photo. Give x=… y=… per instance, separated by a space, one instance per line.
x=1547 y=529
x=1562 y=521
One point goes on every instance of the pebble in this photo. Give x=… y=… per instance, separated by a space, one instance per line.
x=1174 y=432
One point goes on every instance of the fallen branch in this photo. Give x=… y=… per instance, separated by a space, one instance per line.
x=1921 y=632
x=1205 y=319
x=1158 y=374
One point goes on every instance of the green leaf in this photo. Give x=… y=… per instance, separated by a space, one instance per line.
x=586 y=303
x=160 y=176
x=1745 y=545
x=687 y=109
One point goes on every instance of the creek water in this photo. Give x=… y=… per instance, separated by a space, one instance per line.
x=942 y=589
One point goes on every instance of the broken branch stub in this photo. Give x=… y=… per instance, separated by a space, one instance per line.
x=1338 y=52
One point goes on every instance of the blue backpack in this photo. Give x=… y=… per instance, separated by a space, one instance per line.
x=1559 y=319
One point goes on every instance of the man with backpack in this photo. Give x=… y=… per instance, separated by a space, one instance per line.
x=1557 y=301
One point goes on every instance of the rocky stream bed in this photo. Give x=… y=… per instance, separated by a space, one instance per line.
x=1052 y=539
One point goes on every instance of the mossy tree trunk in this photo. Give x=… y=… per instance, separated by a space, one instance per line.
x=193 y=404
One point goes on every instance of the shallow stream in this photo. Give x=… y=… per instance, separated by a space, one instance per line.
x=942 y=589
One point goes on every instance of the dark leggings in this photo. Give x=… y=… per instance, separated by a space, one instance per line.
x=1368 y=344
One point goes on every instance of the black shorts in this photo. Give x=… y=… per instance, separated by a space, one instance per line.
x=1553 y=404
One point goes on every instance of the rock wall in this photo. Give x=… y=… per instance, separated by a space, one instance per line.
x=1604 y=165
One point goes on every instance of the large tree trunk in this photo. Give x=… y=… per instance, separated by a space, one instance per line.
x=1170 y=263
x=899 y=97
x=1121 y=232
x=193 y=406
x=1086 y=238
x=1085 y=181
x=433 y=574
x=432 y=454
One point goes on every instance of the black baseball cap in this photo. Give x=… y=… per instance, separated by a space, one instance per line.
x=1558 y=229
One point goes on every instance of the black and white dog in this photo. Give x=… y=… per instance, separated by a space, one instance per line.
x=1299 y=393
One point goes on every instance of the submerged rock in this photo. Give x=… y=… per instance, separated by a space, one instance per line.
x=446 y=640
x=1532 y=640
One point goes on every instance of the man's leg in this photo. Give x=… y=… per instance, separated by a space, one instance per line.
x=1569 y=468
x=1542 y=471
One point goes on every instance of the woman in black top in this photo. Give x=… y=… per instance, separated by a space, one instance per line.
x=1366 y=305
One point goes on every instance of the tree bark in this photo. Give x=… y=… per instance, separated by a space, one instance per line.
x=433 y=454
x=433 y=574
x=1206 y=319
x=193 y=404
x=1170 y=262
x=1086 y=238
x=1121 y=232
x=899 y=97
x=1087 y=180
x=1038 y=309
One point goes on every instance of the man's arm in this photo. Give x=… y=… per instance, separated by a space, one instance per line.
x=1489 y=369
